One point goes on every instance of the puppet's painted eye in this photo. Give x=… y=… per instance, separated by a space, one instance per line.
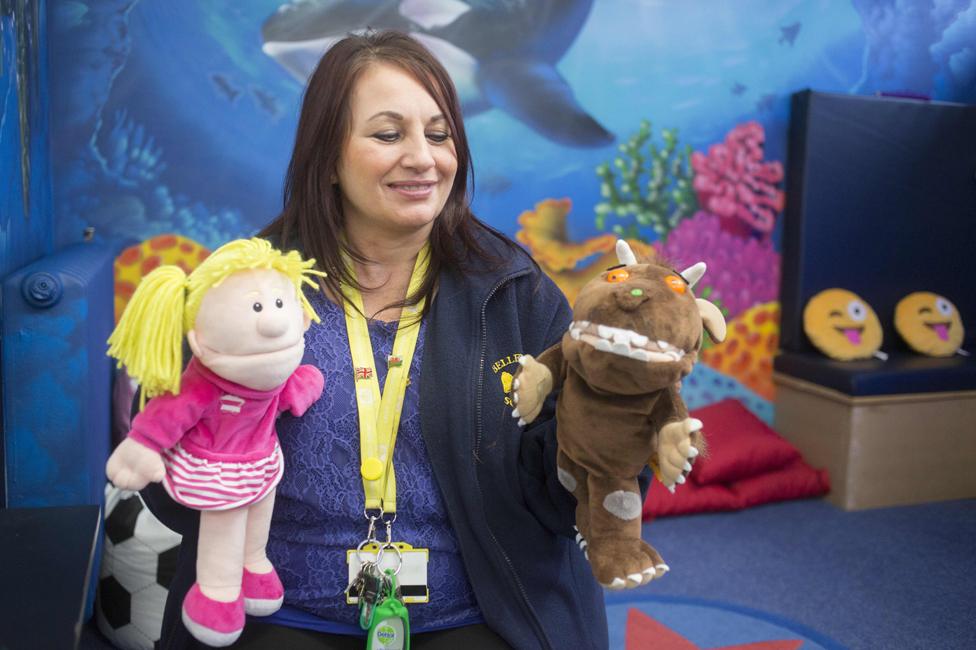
x=676 y=284
x=279 y=304
x=257 y=306
x=618 y=275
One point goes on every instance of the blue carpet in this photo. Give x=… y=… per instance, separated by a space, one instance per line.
x=887 y=578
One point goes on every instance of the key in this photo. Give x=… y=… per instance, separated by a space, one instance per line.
x=371 y=588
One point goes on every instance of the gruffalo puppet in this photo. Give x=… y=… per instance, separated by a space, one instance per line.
x=636 y=331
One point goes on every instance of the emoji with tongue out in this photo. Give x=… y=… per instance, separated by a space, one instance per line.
x=929 y=323
x=842 y=325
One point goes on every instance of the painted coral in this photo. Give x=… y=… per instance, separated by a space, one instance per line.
x=748 y=349
x=741 y=271
x=734 y=182
x=647 y=184
x=545 y=236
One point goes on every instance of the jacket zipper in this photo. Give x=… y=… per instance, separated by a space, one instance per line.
x=540 y=632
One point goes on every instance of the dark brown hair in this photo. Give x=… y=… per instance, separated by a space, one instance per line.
x=312 y=218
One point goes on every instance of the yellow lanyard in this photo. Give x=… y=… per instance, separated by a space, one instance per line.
x=379 y=415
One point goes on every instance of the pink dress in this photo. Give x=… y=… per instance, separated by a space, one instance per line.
x=218 y=438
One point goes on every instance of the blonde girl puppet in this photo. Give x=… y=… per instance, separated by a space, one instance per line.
x=209 y=433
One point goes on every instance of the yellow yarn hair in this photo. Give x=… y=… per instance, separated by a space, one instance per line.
x=149 y=337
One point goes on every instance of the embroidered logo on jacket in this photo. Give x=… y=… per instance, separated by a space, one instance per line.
x=505 y=374
x=231 y=403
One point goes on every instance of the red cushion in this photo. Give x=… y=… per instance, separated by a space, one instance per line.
x=740 y=445
x=795 y=481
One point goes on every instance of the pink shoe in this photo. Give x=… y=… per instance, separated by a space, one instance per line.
x=263 y=593
x=213 y=622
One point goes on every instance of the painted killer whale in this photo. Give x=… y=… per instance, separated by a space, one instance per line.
x=499 y=54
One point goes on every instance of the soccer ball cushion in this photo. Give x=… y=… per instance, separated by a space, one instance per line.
x=138 y=563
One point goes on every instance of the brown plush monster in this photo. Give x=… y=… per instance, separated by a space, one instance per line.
x=637 y=331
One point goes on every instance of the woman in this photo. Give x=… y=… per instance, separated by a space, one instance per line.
x=376 y=191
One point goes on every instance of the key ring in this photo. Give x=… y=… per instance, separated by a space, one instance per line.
x=379 y=553
x=399 y=554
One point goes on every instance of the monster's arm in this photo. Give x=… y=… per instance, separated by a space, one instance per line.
x=549 y=502
x=678 y=439
x=535 y=380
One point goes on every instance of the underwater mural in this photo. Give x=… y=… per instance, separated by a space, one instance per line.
x=660 y=122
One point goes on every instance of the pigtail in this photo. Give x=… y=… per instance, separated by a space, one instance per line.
x=149 y=337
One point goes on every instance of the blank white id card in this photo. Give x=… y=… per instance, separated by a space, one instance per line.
x=412 y=578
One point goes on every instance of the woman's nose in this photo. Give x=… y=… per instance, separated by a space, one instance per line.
x=273 y=324
x=418 y=154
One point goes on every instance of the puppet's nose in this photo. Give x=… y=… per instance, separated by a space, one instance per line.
x=273 y=324
x=631 y=299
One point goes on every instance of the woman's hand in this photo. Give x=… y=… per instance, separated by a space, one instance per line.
x=533 y=382
x=132 y=466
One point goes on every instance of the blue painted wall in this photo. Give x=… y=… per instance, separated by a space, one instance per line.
x=26 y=216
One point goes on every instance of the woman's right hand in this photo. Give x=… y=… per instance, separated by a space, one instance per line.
x=132 y=466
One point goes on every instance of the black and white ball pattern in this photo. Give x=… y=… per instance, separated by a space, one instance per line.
x=138 y=563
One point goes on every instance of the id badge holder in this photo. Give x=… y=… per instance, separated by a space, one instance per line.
x=412 y=577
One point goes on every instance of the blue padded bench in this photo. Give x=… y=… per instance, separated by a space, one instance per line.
x=881 y=200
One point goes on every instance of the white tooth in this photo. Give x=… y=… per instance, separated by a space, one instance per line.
x=664 y=345
x=584 y=324
x=621 y=336
x=640 y=355
x=660 y=357
x=622 y=349
x=604 y=331
x=575 y=334
x=638 y=339
x=602 y=345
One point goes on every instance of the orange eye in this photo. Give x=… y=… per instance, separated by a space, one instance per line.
x=618 y=275
x=676 y=284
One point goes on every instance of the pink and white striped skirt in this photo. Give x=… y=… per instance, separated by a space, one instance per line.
x=219 y=485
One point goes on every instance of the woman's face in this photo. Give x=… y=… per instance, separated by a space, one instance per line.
x=398 y=163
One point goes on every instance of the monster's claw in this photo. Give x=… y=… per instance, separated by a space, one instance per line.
x=521 y=422
x=515 y=385
x=687 y=466
x=693 y=452
x=516 y=414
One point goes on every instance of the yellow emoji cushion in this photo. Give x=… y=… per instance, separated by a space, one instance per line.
x=929 y=323
x=842 y=325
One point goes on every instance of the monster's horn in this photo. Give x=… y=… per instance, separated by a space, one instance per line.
x=712 y=319
x=624 y=255
x=694 y=273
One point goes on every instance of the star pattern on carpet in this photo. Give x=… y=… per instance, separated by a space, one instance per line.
x=643 y=633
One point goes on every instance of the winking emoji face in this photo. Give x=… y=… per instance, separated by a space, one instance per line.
x=842 y=325
x=929 y=323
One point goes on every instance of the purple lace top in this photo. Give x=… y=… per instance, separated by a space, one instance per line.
x=319 y=508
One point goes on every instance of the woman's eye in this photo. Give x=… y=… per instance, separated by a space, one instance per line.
x=438 y=137
x=279 y=304
x=387 y=136
x=257 y=306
